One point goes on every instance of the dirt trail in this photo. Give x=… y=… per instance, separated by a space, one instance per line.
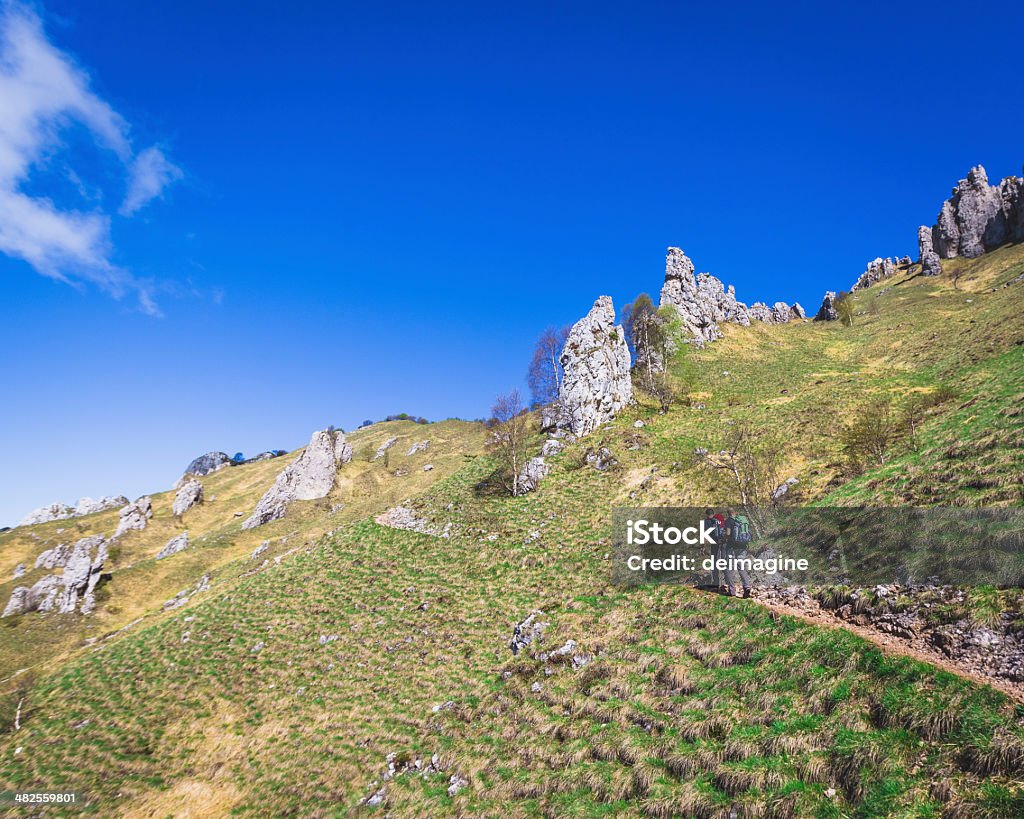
x=894 y=645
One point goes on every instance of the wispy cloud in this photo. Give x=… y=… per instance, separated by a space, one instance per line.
x=151 y=174
x=42 y=92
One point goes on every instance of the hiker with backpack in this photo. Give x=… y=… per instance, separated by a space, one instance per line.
x=715 y=524
x=736 y=539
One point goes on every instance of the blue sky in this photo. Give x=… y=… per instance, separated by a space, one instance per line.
x=225 y=225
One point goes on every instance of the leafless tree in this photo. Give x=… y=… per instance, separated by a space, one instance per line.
x=509 y=437
x=545 y=373
x=751 y=463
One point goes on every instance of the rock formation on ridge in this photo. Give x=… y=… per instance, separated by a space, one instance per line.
x=596 y=384
x=703 y=302
x=205 y=464
x=308 y=477
x=979 y=217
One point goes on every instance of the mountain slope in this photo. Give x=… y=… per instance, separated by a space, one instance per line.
x=284 y=691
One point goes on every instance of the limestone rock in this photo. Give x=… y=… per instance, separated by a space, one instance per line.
x=780 y=312
x=552 y=446
x=875 y=271
x=205 y=464
x=44 y=514
x=827 y=311
x=308 y=477
x=797 y=312
x=71 y=591
x=419 y=446
x=596 y=384
x=601 y=459
x=55 y=558
x=760 y=311
x=390 y=442
x=135 y=516
x=174 y=545
x=532 y=474
x=929 y=259
x=404 y=517
x=701 y=301
x=527 y=631
x=19 y=570
x=88 y=506
x=979 y=217
x=189 y=494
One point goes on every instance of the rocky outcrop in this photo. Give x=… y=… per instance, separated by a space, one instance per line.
x=926 y=255
x=419 y=446
x=189 y=494
x=73 y=590
x=383 y=448
x=875 y=271
x=701 y=301
x=88 y=506
x=55 y=558
x=174 y=545
x=308 y=477
x=796 y=311
x=210 y=462
x=596 y=383
x=528 y=631
x=135 y=516
x=44 y=514
x=405 y=517
x=532 y=474
x=979 y=217
x=704 y=303
x=827 y=311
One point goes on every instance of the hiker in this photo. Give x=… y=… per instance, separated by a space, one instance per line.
x=716 y=523
x=737 y=537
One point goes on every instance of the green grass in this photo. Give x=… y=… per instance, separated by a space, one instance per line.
x=692 y=706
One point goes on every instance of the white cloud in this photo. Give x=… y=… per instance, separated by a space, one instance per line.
x=42 y=92
x=151 y=173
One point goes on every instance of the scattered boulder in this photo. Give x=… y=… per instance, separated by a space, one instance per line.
x=19 y=570
x=601 y=458
x=174 y=545
x=827 y=311
x=135 y=516
x=44 y=514
x=263 y=456
x=308 y=477
x=419 y=446
x=210 y=462
x=783 y=488
x=189 y=494
x=88 y=506
x=926 y=255
x=532 y=474
x=596 y=384
x=527 y=631
x=796 y=311
x=73 y=590
x=390 y=442
x=404 y=517
x=552 y=446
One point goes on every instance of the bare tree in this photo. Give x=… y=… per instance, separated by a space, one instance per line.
x=845 y=308
x=751 y=463
x=508 y=439
x=544 y=375
x=871 y=433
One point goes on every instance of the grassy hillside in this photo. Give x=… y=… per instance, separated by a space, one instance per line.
x=283 y=691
